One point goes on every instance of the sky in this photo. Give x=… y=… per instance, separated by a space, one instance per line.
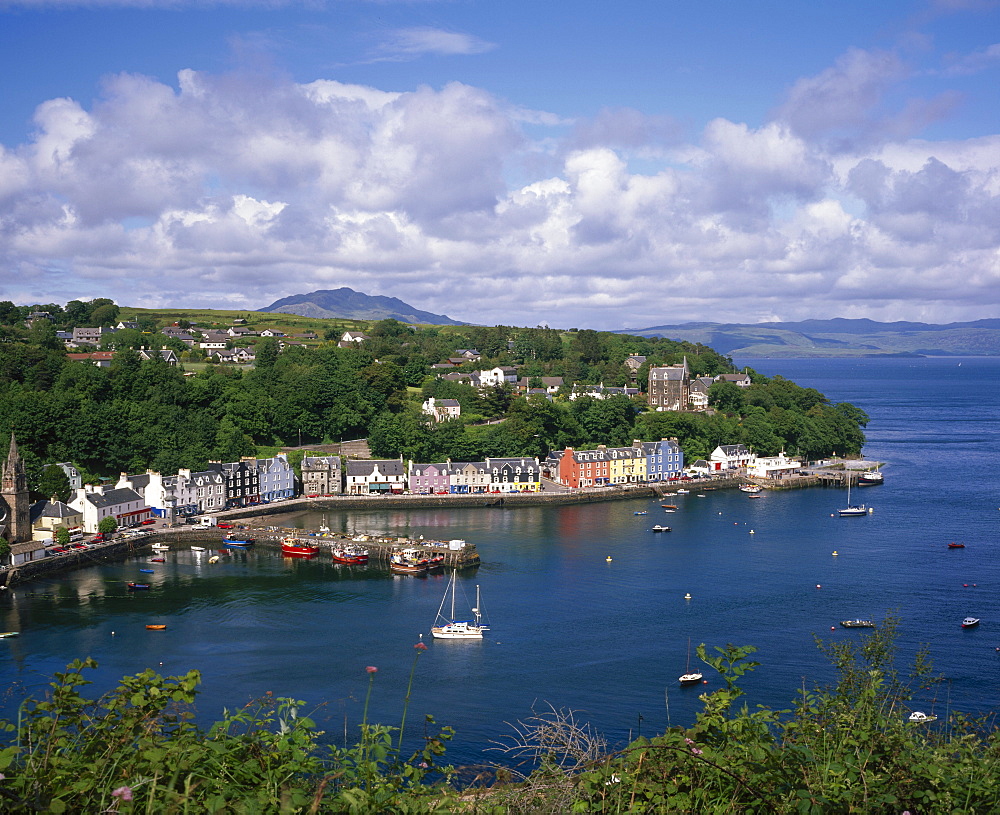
x=572 y=164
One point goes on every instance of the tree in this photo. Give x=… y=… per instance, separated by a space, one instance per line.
x=4 y=551
x=61 y=536
x=727 y=397
x=107 y=525
x=265 y=354
x=54 y=483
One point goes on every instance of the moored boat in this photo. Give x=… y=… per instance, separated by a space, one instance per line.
x=689 y=677
x=658 y=528
x=155 y=627
x=644 y=512
x=954 y=545
x=136 y=586
x=919 y=717
x=238 y=543
x=751 y=488
x=159 y=547
x=350 y=555
x=405 y=563
x=970 y=622
x=8 y=635
x=448 y=628
x=857 y=623
x=293 y=547
x=870 y=478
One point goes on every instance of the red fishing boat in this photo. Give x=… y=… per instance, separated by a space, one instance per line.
x=350 y=555
x=408 y=562
x=293 y=547
x=956 y=545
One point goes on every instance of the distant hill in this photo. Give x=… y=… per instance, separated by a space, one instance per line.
x=354 y=305
x=837 y=338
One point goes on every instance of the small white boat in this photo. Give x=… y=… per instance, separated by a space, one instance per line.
x=160 y=547
x=919 y=717
x=751 y=488
x=689 y=677
x=683 y=492
x=659 y=528
x=852 y=510
x=448 y=628
x=213 y=559
x=970 y=622
x=197 y=548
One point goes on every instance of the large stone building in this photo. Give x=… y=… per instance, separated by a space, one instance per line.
x=669 y=387
x=15 y=517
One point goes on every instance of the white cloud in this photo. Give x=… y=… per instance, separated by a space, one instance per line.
x=234 y=192
x=411 y=43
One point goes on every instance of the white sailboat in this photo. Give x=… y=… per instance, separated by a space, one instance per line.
x=851 y=510
x=689 y=677
x=448 y=628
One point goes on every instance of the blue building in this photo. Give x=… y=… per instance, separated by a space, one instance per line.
x=664 y=459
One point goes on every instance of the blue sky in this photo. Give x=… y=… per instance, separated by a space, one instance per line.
x=570 y=164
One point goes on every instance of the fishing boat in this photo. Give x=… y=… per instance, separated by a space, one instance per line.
x=157 y=560
x=871 y=478
x=155 y=627
x=689 y=677
x=857 y=623
x=136 y=586
x=954 y=545
x=751 y=488
x=852 y=510
x=970 y=622
x=448 y=628
x=237 y=543
x=160 y=547
x=293 y=547
x=9 y=635
x=659 y=528
x=405 y=563
x=350 y=555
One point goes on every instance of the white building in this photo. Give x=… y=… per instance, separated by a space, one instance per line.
x=772 y=466
x=442 y=409
x=126 y=506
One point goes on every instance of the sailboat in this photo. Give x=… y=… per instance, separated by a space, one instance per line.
x=851 y=511
x=689 y=678
x=448 y=628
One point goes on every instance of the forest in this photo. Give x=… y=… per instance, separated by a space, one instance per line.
x=136 y=415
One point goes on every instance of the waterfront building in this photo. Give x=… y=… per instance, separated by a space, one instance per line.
x=15 y=508
x=48 y=516
x=514 y=474
x=777 y=466
x=96 y=503
x=242 y=482
x=429 y=478
x=466 y=477
x=375 y=477
x=277 y=478
x=730 y=457
x=322 y=475
x=664 y=459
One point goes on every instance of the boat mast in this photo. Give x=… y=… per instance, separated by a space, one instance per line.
x=453 y=596
x=475 y=610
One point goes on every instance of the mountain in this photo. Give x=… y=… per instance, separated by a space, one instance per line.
x=837 y=338
x=355 y=305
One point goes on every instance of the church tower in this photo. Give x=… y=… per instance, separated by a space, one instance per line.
x=15 y=519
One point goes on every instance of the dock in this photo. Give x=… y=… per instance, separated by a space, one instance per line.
x=458 y=554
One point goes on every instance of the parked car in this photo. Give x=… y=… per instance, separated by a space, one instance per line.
x=98 y=538
x=58 y=550
x=224 y=525
x=149 y=521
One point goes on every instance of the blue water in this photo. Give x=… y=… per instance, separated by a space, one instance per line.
x=570 y=629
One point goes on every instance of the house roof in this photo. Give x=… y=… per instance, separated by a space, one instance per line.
x=113 y=497
x=360 y=467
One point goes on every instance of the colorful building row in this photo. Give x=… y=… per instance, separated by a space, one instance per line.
x=638 y=463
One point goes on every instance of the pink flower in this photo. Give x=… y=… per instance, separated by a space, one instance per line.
x=125 y=793
x=695 y=751
x=689 y=741
x=371 y=669
x=420 y=646
x=423 y=765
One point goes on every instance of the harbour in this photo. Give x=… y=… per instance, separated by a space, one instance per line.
x=570 y=628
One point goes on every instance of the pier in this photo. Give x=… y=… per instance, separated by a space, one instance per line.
x=458 y=554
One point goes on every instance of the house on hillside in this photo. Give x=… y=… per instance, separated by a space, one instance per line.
x=352 y=339
x=441 y=409
x=669 y=387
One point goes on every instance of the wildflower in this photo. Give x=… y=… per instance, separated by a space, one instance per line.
x=423 y=765
x=420 y=646
x=695 y=751
x=371 y=669
x=125 y=793
x=689 y=741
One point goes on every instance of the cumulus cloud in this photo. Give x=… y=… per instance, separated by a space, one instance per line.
x=233 y=191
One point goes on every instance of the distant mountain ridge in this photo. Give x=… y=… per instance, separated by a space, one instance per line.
x=345 y=303
x=837 y=337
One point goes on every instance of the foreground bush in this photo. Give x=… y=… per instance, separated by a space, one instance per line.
x=137 y=750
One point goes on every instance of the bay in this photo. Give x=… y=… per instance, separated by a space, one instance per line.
x=570 y=628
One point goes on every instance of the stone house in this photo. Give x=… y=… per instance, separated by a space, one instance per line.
x=322 y=475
